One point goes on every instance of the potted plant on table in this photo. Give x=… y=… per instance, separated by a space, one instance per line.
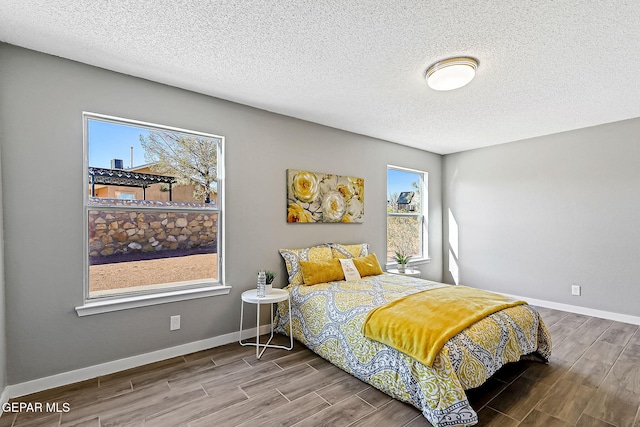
x=269 y=276
x=402 y=259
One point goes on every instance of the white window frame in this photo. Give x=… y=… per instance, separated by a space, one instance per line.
x=423 y=214
x=182 y=291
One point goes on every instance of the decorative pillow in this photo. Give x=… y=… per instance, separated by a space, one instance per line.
x=349 y=251
x=321 y=272
x=292 y=258
x=350 y=270
x=368 y=265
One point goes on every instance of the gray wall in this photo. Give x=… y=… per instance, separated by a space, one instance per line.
x=537 y=216
x=3 y=347
x=41 y=104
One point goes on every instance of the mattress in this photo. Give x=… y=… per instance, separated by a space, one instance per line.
x=328 y=318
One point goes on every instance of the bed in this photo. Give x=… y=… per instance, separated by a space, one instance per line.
x=329 y=316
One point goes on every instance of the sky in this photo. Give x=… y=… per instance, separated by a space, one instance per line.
x=399 y=181
x=114 y=141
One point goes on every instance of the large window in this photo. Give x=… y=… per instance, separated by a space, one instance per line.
x=406 y=213
x=152 y=208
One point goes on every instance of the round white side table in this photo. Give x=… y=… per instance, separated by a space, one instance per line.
x=407 y=272
x=251 y=297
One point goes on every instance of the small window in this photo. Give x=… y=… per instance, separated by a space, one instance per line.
x=152 y=216
x=406 y=213
x=127 y=196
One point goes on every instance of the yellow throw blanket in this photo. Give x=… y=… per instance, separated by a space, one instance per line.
x=420 y=324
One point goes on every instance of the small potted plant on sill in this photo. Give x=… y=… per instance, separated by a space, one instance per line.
x=402 y=259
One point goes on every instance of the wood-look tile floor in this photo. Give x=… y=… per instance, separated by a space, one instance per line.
x=593 y=380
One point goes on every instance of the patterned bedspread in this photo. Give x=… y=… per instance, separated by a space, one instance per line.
x=328 y=319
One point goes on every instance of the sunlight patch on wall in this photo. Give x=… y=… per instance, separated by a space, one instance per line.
x=453 y=248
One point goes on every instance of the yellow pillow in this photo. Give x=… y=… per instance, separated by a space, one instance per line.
x=368 y=265
x=292 y=258
x=349 y=251
x=321 y=272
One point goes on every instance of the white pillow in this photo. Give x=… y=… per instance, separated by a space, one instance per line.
x=349 y=268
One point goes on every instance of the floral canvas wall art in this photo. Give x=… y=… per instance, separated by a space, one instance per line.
x=323 y=197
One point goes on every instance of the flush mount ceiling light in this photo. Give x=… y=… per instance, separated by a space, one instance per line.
x=452 y=73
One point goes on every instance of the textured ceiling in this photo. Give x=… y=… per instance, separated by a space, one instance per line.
x=357 y=65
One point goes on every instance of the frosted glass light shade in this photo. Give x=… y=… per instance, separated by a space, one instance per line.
x=451 y=73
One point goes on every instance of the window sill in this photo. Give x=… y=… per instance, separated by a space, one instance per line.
x=116 y=304
x=414 y=262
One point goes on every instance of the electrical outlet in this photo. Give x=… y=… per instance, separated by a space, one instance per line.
x=575 y=290
x=175 y=323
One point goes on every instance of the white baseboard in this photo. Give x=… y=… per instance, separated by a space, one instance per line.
x=90 y=372
x=625 y=318
x=4 y=398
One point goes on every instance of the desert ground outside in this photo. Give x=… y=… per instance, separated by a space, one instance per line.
x=109 y=277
